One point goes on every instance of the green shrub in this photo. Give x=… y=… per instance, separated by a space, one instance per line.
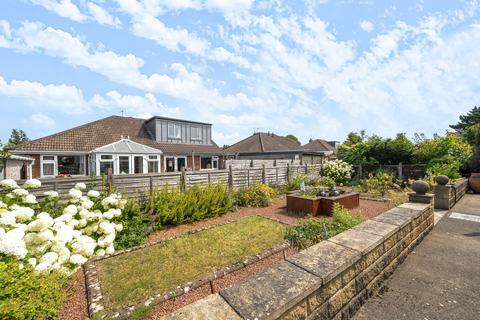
x=381 y=181
x=450 y=169
x=342 y=220
x=305 y=234
x=25 y=294
x=258 y=195
x=311 y=231
x=135 y=222
x=172 y=207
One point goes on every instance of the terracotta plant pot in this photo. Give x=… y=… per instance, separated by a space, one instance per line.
x=474 y=182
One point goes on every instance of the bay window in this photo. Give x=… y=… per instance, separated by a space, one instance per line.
x=68 y=165
x=106 y=162
x=153 y=164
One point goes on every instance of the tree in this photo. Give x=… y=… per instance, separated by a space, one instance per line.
x=292 y=138
x=4 y=154
x=471 y=118
x=225 y=146
x=17 y=137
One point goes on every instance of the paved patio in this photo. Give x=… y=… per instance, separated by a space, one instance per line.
x=441 y=278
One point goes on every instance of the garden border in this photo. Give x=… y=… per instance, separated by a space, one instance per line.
x=94 y=291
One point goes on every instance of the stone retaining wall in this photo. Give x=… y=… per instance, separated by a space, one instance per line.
x=447 y=196
x=329 y=280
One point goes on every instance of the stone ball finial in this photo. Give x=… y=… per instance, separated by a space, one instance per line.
x=420 y=187
x=442 y=180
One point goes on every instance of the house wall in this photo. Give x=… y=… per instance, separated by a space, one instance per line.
x=36 y=165
x=13 y=169
x=159 y=129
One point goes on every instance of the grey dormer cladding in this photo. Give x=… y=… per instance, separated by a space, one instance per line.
x=158 y=127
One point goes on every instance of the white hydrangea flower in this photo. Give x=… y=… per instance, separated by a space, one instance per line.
x=12 y=244
x=23 y=213
x=108 y=214
x=93 y=194
x=110 y=249
x=100 y=253
x=3 y=205
x=75 y=193
x=80 y=186
x=87 y=203
x=30 y=199
x=7 y=218
x=32 y=262
x=42 y=222
x=20 y=192
x=32 y=184
x=118 y=227
x=49 y=257
x=8 y=184
x=71 y=210
x=106 y=227
x=78 y=259
x=42 y=267
x=51 y=194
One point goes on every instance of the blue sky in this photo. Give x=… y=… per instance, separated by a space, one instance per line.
x=317 y=69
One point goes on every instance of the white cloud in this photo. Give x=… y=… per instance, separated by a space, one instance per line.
x=68 y=99
x=64 y=8
x=102 y=16
x=367 y=26
x=41 y=120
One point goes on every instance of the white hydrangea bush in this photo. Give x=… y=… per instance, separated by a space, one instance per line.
x=57 y=234
x=338 y=170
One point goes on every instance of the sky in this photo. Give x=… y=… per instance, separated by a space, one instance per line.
x=315 y=69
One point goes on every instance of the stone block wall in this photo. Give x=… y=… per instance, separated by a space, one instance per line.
x=329 y=280
x=447 y=196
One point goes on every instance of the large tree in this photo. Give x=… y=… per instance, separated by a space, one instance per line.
x=17 y=137
x=292 y=138
x=471 y=118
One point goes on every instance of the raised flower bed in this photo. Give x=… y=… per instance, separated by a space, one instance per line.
x=321 y=205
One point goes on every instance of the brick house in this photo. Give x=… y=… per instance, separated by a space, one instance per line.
x=269 y=146
x=126 y=145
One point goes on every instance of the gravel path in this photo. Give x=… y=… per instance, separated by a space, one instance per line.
x=75 y=308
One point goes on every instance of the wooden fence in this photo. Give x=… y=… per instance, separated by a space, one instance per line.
x=140 y=183
x=400 y=171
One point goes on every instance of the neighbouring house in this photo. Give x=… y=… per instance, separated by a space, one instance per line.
x=16 y=167
x=126 y=145
x=269 y=146
x=327 y=148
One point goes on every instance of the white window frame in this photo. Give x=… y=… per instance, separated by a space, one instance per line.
x=214 y=160
x=54 y=162
x=130 y=163
x=197 y=131
x=156 y=159
x=106 y=160
x=174 y=131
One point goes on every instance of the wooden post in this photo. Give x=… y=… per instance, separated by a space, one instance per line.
x=360 y=173
x=151 y=183
x=110 y=180
x=400 y=171
x=248 y=177
x=183 y=180
x=55 y=186
x=306 y=168
x=230 y=177
x=276 y=176
x=288 y=173
x=208 y=177
x=264 y=174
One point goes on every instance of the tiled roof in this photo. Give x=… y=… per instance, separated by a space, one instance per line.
x=318 y=145
x=263 y=142
x=90 y=136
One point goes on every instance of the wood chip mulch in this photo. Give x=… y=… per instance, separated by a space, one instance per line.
x=75 y=307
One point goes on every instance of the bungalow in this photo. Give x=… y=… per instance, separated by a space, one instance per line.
x=126 y=145
x=267 y=146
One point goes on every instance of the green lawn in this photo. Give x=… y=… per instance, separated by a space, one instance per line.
x=134 y=276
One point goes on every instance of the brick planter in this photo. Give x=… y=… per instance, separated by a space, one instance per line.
x=321 y=205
